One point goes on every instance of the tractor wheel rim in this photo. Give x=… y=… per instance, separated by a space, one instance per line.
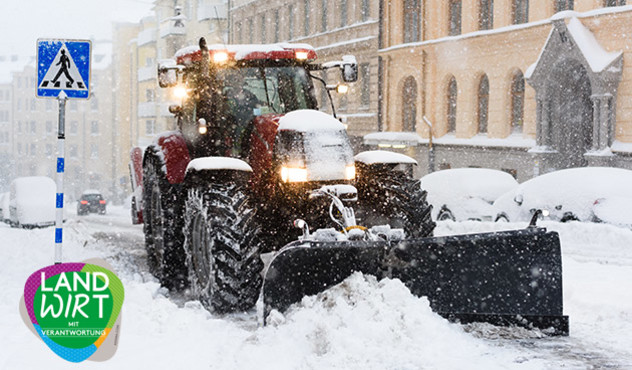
x=201 y=245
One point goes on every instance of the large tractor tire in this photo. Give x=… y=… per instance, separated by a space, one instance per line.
x=222 y=247
x=395 y=198
x=163 y=223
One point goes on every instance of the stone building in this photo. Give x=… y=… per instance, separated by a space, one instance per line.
x=523 y=86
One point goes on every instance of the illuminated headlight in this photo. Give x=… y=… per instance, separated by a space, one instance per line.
x=220 y=56
x=293 y=174
x=350 y=172
x=301 y=55
x=180 y=92
x=342 y=89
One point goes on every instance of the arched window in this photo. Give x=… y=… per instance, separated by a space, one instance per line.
x=517 y=101
x=483 y=103
x=412 y=20
x=409 y=104
x=486 y=15
x=451 y=100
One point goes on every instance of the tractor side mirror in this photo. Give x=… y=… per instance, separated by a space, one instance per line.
x=168 y=73
x=349 y=68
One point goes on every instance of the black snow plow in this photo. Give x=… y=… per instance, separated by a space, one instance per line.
x=503 y=278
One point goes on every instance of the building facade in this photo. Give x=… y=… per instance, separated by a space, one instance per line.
x=523 y=86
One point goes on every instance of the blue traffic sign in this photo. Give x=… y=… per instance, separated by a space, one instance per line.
x=63 y=65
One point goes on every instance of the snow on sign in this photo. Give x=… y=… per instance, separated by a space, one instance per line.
x=63 y=65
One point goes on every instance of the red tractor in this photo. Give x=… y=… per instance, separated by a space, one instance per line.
x=253 y=165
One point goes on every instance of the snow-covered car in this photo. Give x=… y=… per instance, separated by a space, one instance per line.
x=4 y=207
x=614 y=210
x=466 y=193
x=91 y=201
x=32 y=201
x=567 y=195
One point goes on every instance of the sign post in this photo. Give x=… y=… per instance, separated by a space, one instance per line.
x=63 y=72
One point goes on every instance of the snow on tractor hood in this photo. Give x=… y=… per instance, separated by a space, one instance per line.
x=307 y=120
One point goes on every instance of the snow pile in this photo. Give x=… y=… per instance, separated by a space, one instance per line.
x=362 y=323
x=34 y=200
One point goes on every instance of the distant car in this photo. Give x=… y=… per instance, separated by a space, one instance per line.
x=91 y=201
x=32 y=202
x=466 y=193
x=567 y=195
x=4 y=207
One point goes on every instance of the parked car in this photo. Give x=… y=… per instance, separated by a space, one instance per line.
x=4 y=207
x=32 y=201
x=91 y=201
x=614 y=210
x=466 y=193
x=567 y=195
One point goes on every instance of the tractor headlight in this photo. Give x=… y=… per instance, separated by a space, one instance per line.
x=293 y=174
x=350 y=172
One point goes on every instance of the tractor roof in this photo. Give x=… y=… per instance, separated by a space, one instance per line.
x=193 y=54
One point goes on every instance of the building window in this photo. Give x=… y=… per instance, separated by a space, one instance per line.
x=343 y=13
x=409 y=104
x=74 y=153
x=323 y=20
x=291 y=22
x=251 y=30
x=483 y=104
x=94 y=151
x=150 y=127
x=276 y=27
x=451 y=100
x=486 y=15
x=517 y=102
x=19 y=149
x=150 y=95
x=412 y=20
x=455 y=17
x=306 y=14
x=520 y=11
x=365 y=10
x=19 y=105
x=19 y=126
x=263 y=28
x=365 y=93
x=614 y=2
x=94 y=127
x=33 y=149
x=561 y=5
x=33 y=127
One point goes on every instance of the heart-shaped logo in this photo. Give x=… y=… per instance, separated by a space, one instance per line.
x=74 y=307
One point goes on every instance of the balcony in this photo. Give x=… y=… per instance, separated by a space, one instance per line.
x=206 y=10
x=168 y=29
x=147 y=109
x=146 y=36
x=146 y=73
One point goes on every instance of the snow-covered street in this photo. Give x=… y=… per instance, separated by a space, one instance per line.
x=360 y=324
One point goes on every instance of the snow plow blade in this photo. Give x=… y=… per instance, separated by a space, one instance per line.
x=503 y=278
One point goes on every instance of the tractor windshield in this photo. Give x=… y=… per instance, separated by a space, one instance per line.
x=262 y=90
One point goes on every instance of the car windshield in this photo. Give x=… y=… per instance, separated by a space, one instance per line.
x=279 y=89
x=91 y=197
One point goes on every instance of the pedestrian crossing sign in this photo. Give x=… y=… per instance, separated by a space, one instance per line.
x=63 y=65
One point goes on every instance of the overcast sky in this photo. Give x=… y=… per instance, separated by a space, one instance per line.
x=24 y=21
